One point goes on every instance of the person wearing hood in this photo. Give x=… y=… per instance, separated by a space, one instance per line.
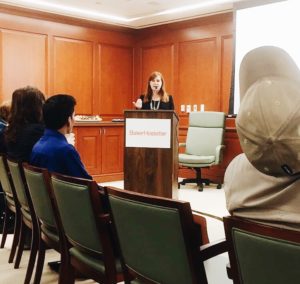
x=263 y=182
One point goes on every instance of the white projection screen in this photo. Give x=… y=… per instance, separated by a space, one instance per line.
x=274 y=24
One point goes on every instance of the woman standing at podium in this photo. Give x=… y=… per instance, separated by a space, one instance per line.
x=156 y=98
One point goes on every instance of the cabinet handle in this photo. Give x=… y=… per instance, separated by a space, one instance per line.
x=100 y=131
x=103 y=131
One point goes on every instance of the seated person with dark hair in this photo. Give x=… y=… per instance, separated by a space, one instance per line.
x=53 y=151
x=25 y=123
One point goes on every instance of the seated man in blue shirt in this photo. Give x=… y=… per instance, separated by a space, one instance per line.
x=53 y=151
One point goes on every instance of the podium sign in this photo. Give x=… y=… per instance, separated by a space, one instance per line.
x=151 y=152
x=148 y=133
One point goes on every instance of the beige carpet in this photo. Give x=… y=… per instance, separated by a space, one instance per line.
x=9 y=275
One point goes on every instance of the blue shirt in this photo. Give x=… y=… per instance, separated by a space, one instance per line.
x=54 y=153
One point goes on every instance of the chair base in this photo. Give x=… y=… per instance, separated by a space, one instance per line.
x=193 y=180
x=198 y=180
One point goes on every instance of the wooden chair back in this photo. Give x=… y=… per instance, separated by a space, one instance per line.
x=159 y=240
x=87 y=227
x=260 y=253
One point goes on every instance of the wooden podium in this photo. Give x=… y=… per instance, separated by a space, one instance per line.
x=151 y=152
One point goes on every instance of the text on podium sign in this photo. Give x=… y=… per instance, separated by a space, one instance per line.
x=148 y=133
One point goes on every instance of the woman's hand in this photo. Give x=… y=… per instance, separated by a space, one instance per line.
x=138 y=104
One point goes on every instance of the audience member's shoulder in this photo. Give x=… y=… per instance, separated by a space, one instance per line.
x=68 y=148
x=239 y=161
x=240 y=167
x=35 y=127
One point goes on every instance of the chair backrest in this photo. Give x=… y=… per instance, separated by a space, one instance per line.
x=206 y=131
x=18 y=179
x=82 y=214
x=262 y=254
x=5 y=178
x=157 y=237
x=38 y=181
x=8 y=185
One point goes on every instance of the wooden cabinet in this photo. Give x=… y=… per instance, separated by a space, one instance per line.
x=101 y=148
x=112 y=149
x=88 y=144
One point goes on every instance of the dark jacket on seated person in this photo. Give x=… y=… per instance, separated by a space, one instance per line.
x=20 y=150
x=54 y=152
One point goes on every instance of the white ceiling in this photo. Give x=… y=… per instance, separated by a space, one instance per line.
x=129 y=13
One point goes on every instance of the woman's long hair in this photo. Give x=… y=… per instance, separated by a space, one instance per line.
x=26 y=108
x=163 y=94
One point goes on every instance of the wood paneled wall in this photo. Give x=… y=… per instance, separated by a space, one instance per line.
x=118 y=78
x=94 y=65
x=195 y=58
x=23 y=61
x=106 y=69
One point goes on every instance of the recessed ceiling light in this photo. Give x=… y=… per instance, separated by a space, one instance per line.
x=69 y=10
x=192 y=7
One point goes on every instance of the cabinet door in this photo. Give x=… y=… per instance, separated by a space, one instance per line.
x=88 y=143
x=112 y=149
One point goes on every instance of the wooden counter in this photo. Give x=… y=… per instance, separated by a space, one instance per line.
x=101 y=147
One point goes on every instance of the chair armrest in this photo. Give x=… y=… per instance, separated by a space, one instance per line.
x=229 y=271
x=219 y=154
x=213 y=249
x=201 y=222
